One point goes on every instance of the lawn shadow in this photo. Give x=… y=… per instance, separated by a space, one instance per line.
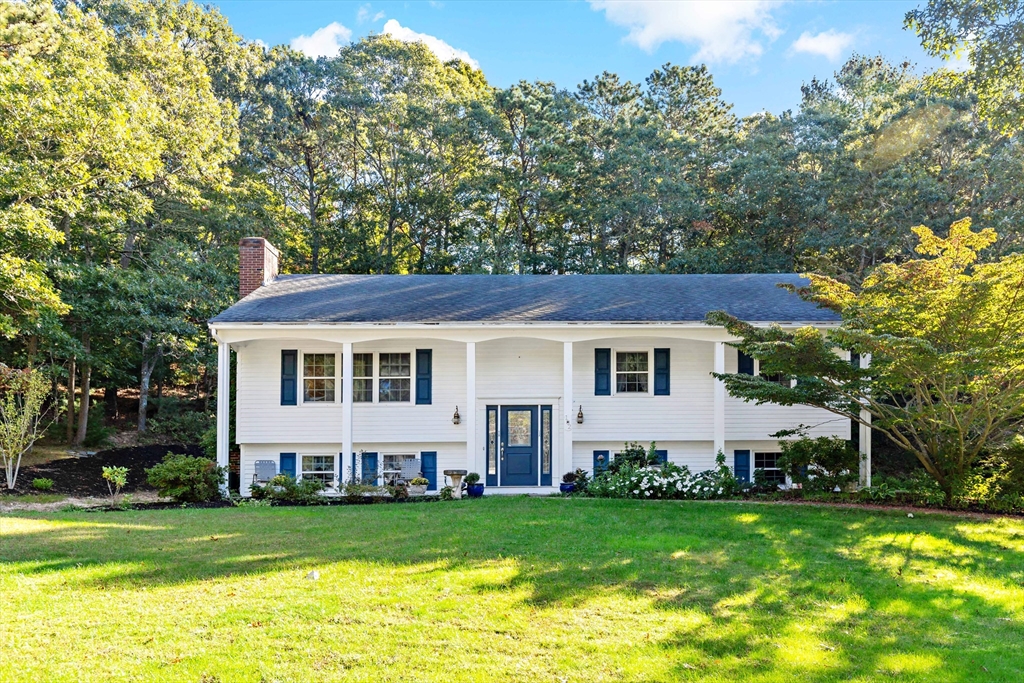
x=814 y=593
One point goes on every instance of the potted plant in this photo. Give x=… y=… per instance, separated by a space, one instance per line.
x=473 y=486
x=568 y=484
x=417 y=486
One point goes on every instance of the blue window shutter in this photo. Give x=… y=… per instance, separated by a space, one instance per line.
x=602 y=372
x=289 y=377
x=662 y=456
x=369 y=468
x=287 y=464
x=601 y=459
x=745 y=364
x=424 y=364
x=661 y=372
x=428 y=465
x=741 y=465
x=855 y=359
x=355 y=477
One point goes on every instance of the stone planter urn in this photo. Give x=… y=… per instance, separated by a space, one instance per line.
x=416 y=489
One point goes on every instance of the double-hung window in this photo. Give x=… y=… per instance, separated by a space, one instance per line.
x=632 y=372
x=318 y=377
x=769 y=462
x=318 y=467
x=362 y=377
x=395 y=378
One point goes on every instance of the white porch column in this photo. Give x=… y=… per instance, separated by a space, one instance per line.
x=865 y=435
x=223 y=407
x=719 y=399
x=346 y=410
x=471 y=449
x=569 y=417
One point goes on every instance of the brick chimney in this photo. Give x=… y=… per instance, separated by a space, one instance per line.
x=257 y=264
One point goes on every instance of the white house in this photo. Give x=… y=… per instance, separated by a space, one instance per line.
x=520 y=378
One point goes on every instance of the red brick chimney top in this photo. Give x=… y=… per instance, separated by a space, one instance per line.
x=257 y=264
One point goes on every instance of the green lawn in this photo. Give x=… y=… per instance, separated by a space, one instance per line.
x=511 y=589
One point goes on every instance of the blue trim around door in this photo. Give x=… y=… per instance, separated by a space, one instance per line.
x=519 y=463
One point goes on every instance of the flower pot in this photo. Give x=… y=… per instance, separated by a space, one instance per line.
x=567 y=487
x=416 y=489
x=475 y=490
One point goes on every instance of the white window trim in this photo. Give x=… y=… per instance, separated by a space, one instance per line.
x=302 y=379
x=333 y=456
x=375 y=383
x=650 y=372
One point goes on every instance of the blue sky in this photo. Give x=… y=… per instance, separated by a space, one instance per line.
x=760 y=51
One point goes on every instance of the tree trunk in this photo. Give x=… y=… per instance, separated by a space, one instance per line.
x=110 y=401
x=148 y=364
x=83 y=410
x=71 y=402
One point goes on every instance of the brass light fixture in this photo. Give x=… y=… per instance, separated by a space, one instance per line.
x=456 y=418
x=579 y=416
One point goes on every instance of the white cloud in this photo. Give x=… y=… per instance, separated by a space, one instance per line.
x=829 y=44
x=722 y=31
x=325 y=42
x=363 y=14
x=443 y=50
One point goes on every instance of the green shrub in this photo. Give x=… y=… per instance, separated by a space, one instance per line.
x=176 y=419
x=97 y=433
x=634 y=456
x=286 y=489
x=917 y=489
x=820 y=464
x=419 y=481
x=42 y=484
x=117 y=478
x=208 y=442
x=472 y=478
x=187 y=479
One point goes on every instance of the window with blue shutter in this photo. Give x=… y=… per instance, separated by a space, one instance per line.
x=289 y=377
x=601 y=459
x=287 y=464
x=661 y=372
x=424 y=364
x=662 y=456
x=741 y=465
x=744 y=364
x=369 y=468
x=602 y=372
x=428 y=465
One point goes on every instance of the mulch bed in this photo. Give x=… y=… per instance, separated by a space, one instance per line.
x=83 y=476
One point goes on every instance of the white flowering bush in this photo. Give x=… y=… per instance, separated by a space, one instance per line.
x=666 y=481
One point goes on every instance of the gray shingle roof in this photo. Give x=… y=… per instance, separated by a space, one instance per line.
x=522 y=299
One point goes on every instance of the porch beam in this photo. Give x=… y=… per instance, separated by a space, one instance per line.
x=471 y=436
x=568 y=417
x=223 y=408
x=865 y=435
x=719 y=399
x=347 y=382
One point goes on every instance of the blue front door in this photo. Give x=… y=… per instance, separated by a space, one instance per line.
x=519 y=446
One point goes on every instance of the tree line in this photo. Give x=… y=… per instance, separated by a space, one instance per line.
x=140 y=139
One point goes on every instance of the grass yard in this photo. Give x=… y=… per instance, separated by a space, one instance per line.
x=511 y=589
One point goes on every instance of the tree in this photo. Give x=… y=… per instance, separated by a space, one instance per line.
x=946 y=339
x=22 y=393
x=990 y=33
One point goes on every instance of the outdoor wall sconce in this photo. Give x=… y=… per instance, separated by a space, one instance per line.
x=579 y=416
x=456 y=418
